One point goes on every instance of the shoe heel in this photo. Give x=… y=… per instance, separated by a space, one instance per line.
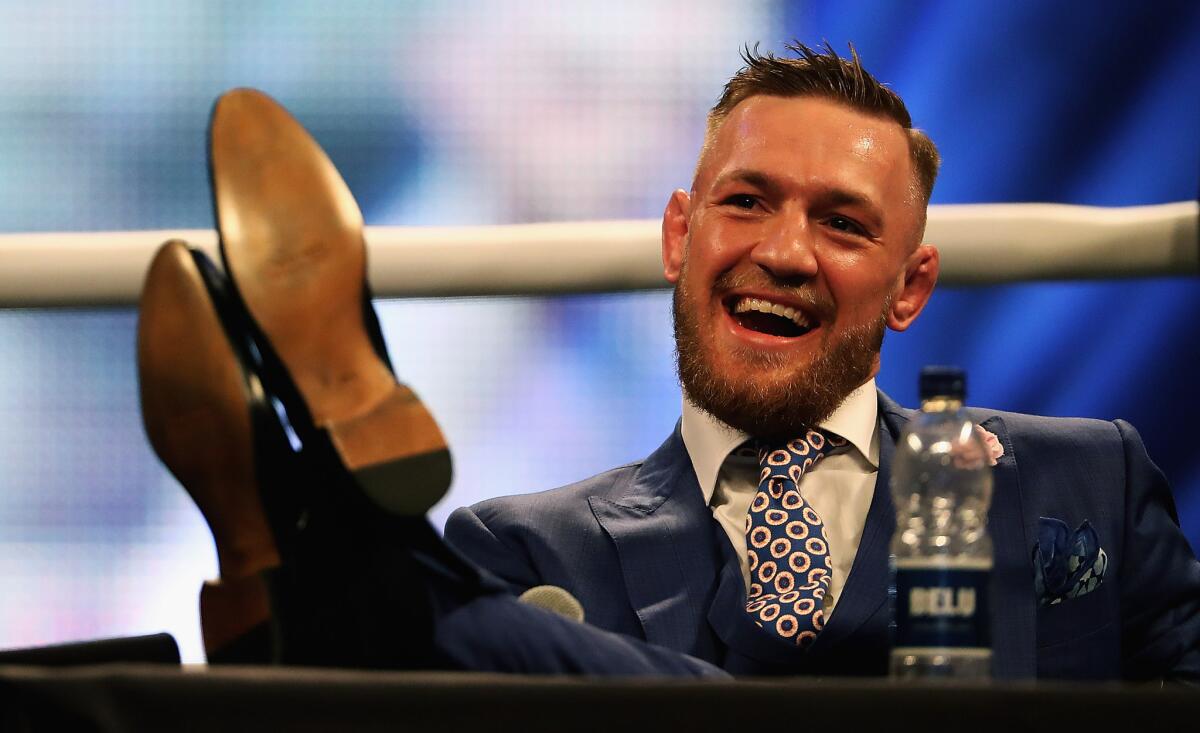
x=396 y=453
x=233 y=617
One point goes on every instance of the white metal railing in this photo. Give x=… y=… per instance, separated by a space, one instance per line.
x=980 y=244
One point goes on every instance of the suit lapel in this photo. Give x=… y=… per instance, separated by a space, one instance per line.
x=663 y=533
x=866 y=590
x=1014 y=610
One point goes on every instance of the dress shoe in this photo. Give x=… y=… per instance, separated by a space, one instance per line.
x=194 y=399
x=313 y=572
x=337 y=460
x=291 y=238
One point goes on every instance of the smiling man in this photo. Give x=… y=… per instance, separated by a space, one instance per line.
x=800 y=242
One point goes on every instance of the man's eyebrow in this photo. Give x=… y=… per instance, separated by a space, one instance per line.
x=755 y=178
x=835 y=197
x=832 y=196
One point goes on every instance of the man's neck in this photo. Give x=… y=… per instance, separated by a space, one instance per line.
x=709 y=440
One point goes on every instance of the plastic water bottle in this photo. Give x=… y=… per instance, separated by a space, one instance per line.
x=941 y=553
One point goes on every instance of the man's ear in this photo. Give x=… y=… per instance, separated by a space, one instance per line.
x=674 y=233
x=913 y=291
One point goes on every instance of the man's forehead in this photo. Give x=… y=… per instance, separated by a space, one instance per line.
x=808 y=131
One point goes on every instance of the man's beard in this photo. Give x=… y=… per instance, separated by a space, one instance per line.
x=784 y=408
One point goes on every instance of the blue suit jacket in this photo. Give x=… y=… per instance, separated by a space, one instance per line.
x=641 y=551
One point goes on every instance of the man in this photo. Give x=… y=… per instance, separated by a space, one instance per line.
x=267 y=392
x=800 y=240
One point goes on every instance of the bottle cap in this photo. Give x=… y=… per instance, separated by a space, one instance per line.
x=943 y=381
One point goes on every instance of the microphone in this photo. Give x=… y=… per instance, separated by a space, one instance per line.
x=554 y=599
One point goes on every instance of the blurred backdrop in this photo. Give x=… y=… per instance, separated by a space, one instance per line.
x=501 y=112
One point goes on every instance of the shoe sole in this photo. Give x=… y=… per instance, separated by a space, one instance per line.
x=291 y=238
x=196 y=415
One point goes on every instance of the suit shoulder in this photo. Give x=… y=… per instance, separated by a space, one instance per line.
x=561 y=502
x=1102 y=450
x=528 y=539
x=1051 y=428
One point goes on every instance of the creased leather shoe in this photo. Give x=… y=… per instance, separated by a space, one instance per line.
x=198 y=412
x=340 y=581
x=291 y=238
x=362 y=570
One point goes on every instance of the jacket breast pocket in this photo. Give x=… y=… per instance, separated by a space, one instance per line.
x=1075 y=617
x=1078 y=638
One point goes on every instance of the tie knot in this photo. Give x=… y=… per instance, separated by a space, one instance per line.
x=815 y=443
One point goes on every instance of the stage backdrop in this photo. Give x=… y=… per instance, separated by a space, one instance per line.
x=481 y=112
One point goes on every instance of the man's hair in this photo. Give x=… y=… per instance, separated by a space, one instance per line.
x=826 y=75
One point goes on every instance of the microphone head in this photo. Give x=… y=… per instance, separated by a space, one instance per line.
x=555 y=599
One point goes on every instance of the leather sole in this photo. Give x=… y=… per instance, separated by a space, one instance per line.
x=291 y=238
x=195 y=411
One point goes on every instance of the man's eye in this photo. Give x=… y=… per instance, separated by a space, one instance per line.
x=843 y=224
x=741 y=201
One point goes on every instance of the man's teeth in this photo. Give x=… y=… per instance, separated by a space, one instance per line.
x=745 y=305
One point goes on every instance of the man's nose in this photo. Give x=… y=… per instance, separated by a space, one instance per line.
x=787 y=250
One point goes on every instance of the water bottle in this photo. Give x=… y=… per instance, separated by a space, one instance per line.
x=941 y=557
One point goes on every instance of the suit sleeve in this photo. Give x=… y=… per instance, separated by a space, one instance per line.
x=467 y=532
x=1160 y=599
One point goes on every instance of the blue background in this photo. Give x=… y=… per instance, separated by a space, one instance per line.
x=1082 y=103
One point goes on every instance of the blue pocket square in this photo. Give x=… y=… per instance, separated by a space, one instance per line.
x=1066 y=564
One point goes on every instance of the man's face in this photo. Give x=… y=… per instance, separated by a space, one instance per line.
x=795 y=248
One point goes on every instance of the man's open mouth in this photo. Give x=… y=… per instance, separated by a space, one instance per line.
x=763 y=316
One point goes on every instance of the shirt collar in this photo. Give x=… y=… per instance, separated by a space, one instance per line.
x=710 y=441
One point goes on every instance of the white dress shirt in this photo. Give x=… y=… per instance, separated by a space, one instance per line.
x=839 y=487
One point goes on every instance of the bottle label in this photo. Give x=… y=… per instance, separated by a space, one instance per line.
x=940 y=604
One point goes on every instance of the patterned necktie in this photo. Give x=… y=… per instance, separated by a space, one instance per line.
x=785 y=541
